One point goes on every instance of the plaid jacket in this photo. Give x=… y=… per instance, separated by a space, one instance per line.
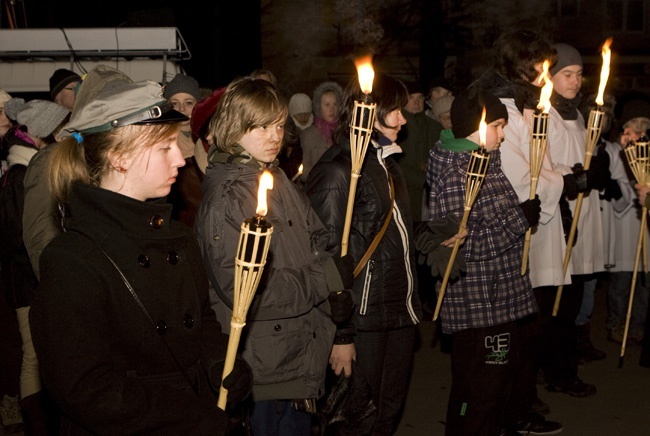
x=492 y=291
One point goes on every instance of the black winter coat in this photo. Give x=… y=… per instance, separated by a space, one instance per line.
x=385 y=292
x=101 y=358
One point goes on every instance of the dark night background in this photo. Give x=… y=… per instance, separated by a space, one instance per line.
x=223 y=36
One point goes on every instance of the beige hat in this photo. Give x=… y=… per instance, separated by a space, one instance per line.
x=299 y=104
x=442 y=105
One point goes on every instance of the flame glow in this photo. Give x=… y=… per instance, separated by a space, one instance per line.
x=604 y=73
x=300 y=168
x=482 y=130
x=547 y=89
x=365 y=72
x=266 y=182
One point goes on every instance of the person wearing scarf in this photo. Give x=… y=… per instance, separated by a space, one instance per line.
x=317 y=138
x=567 y=136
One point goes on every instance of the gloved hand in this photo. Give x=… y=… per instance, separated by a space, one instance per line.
x=341 y=305
x=345 y=266
x=581 y=177
x=239 y=382
x=435 y=255
x=567 y=219
x=598 y=173
x=532 y=209
x=612 y=191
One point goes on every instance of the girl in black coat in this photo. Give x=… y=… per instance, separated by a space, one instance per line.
x=122 y=325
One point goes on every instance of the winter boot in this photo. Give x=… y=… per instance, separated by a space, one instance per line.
x=586 y=350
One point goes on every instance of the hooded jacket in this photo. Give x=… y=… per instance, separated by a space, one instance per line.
x=288 y=335
x=385 y=292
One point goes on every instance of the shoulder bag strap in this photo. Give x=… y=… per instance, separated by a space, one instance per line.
x=378 y=236
x=147 y=315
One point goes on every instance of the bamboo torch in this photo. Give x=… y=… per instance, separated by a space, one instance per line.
x=476 y=170
x=363 y=120
x=594 y=127
x=254 y=241
x=538 y=137
x=638 y=158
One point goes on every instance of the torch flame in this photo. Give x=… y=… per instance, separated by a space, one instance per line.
x=266 y=182
x=604 y=73
x=547 y=89
x=300 y=168
x=482 y=130
x=365 y=72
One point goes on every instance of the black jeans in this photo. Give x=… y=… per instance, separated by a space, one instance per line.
x=386 y=360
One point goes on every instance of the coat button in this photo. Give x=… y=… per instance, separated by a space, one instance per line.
x=156 y=221
x=277 y=327
x=161 y=327
x=314 y=334
x=188 y=321
x=143 y=261
x=172 y=257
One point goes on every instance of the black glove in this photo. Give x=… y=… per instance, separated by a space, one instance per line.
x=612 y=191
x=598 y=173
x=532 y=209
x=571 y=186
x=345 y=266
x=341 y=305
x=567 y=219
x=435 y=255
x=239 y=382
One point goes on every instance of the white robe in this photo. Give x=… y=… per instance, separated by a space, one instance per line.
x=622 y=217
x=566 y=142
x=547 y=245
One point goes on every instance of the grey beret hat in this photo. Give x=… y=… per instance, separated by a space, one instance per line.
x=117 y=101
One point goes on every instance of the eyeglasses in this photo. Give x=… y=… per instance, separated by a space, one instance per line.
x=70 y=89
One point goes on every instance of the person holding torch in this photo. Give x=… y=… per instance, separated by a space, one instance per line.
x=381 y=334
x=122 y=325
x=515 y=78
x=584 y=174
x=290 y=324
x=484 y=307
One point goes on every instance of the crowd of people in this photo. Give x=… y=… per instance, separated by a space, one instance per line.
x=121 y=210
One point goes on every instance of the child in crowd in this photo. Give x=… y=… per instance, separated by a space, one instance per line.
x=484 y=308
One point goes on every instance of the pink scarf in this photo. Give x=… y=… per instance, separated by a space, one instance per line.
x=325 y=128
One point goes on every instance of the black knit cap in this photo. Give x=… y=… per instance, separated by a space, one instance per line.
x=60 y=79
x=467 y=109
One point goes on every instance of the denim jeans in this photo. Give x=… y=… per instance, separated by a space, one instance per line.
x=279 y=418
x=618 y=297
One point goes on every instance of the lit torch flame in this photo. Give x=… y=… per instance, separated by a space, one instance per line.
x=482 y=130
x=604 y=73
x=547 y=89
x=266 y=182
x=365 y=72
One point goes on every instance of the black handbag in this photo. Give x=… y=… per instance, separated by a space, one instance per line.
x=349 y=399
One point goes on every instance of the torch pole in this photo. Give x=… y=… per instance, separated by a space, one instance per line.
x=476 y=171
